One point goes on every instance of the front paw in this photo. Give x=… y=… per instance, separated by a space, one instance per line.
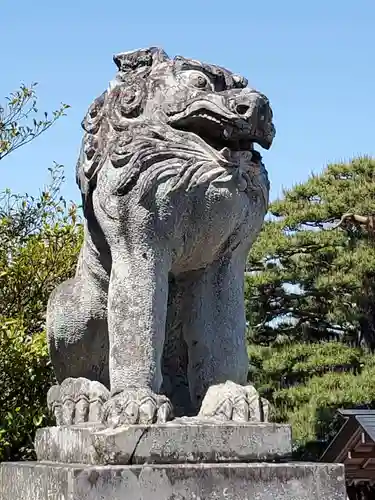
x=137 y=406
x=230 y=401
x=77 y=400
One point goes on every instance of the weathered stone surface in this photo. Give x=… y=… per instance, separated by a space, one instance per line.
x=174 y=195
x=174 y=442
x=68 y=444
x=28 y=481
x=194 y=443
x=32 y=481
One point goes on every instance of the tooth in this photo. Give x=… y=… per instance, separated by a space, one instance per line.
x=225 y=152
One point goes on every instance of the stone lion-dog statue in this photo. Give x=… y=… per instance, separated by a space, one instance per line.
x=153 y=326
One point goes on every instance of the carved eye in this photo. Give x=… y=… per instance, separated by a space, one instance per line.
x=199 y=81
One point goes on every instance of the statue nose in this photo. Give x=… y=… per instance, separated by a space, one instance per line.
x=242 y=109
x=252 y=106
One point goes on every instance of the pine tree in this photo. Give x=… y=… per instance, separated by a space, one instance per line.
x=312 y=280
x=310 y=295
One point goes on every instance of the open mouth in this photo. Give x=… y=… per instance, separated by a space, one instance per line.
x=219 y=131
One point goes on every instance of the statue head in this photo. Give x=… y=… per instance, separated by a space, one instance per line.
x=180 y=101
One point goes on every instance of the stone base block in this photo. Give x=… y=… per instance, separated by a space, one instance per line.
x=188 y=441
x=38 y=481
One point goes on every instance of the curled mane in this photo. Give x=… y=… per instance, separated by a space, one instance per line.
x=108 y=122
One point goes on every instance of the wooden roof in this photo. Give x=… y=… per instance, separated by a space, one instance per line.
x=354 y=446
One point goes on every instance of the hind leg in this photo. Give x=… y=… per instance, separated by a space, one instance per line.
x=78 y=344
x=77 y=331
x=175 y=355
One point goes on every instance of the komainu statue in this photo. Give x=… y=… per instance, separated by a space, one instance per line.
x=153 y=323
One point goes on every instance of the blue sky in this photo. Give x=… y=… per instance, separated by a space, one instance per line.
x=314 y=60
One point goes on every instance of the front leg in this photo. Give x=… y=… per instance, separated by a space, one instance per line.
x=137 y=306
x=215 y=334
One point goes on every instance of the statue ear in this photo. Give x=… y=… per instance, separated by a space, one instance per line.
x=142 y=58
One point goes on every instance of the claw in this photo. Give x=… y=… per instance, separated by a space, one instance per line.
x=240 y=410
x=98 y=396
x=68 y=411
x=114 y=421
x=54 y=404
x=112 y=415
x=147 y=412
x=131 y=413
x=225 y=410
x=265 y=409
x=165 y=413
x=82 y=409
x=96 y=411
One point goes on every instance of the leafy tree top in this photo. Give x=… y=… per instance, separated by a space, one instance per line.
x=19 y=121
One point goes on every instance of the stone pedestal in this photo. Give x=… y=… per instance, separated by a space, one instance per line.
x=174 y=461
